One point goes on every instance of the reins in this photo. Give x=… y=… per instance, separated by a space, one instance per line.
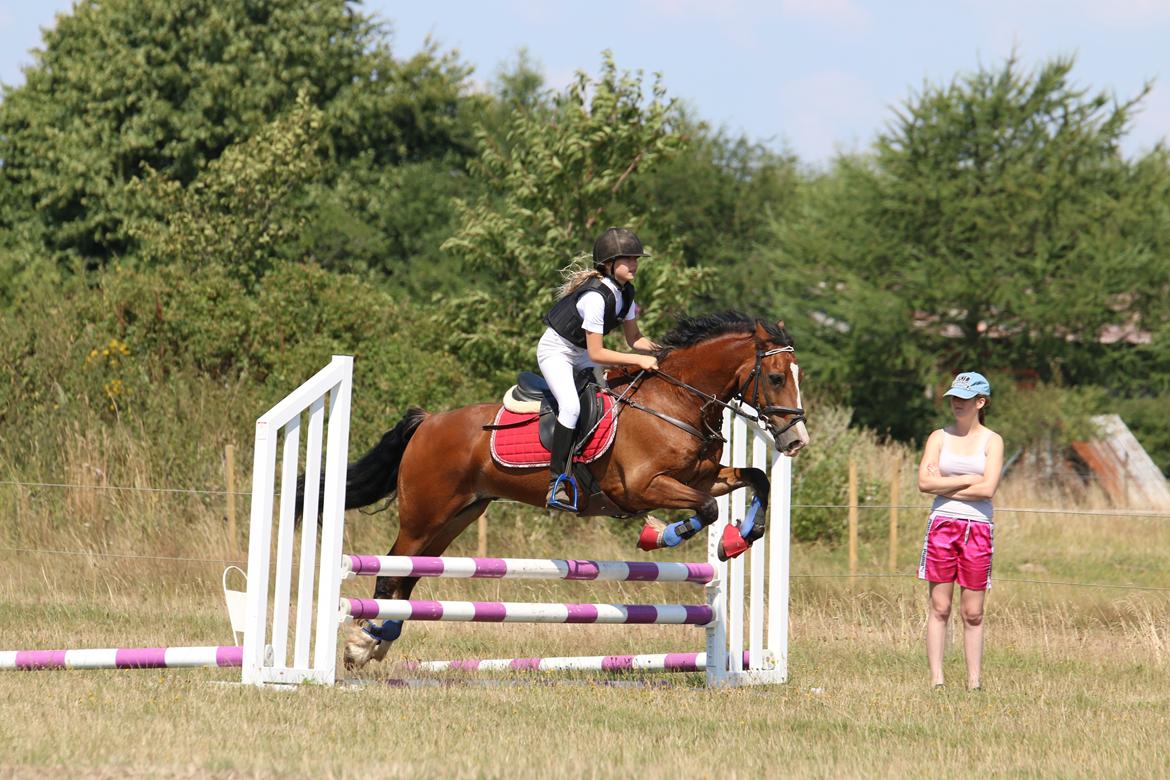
x=760 y=417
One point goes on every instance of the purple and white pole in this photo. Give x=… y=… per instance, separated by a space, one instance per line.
x=517 y=612
x=122 y=658
x=525 y=568
x=651 y=662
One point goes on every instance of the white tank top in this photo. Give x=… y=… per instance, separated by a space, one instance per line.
x=952 y=465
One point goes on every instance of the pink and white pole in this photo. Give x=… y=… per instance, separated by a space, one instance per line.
x=525 y=569
x=515 y=612
x=649 y=662
x=122 y=658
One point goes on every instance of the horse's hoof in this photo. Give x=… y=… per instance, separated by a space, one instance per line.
x=651 y=536
x=755 y=535
x=732 y=543
x=361 y=648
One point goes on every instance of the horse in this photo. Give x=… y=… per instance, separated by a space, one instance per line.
x=665 y=454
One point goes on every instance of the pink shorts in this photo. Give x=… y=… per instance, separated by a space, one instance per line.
x=958 y=549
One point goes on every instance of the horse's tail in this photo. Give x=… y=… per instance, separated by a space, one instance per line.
x=375 y=474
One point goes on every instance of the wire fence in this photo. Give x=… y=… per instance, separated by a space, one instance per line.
x=71 y=486
x=844 y=575
x=1118 y=512
x=834 y=575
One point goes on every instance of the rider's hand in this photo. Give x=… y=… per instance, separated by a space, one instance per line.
x=647 y=362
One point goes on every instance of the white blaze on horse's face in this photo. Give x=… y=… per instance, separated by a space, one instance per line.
x=795 y=438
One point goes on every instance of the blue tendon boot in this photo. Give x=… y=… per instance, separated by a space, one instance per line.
x=657 y=534
x=389 y=631
x=749 y=528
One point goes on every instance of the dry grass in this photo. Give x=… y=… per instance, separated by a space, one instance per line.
x=1076 y=677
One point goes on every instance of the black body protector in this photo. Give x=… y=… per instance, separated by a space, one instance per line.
x=566 y=320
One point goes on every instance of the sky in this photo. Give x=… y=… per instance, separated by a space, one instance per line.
x=814 y=77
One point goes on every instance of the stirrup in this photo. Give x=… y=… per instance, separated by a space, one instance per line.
x=555 y=485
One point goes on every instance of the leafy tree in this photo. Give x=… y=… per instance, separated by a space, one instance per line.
x=242 y=207
x=520 y=84
x=562 y=179
x=718 y=197
x=996 y=225
x=387 y=223
x=127 y=84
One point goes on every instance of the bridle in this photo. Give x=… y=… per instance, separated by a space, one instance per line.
x=764 y=415
x=761 y=417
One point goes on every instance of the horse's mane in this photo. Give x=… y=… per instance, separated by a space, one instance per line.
x=689 y=331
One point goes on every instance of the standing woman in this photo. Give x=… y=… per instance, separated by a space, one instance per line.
x=592 y=303
x=961 y=466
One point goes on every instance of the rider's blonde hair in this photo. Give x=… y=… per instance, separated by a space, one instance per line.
x=576 y=274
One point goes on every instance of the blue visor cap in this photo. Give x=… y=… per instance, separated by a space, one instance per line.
x=968 y=385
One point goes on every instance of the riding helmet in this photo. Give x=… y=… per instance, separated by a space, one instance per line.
x=616 y=242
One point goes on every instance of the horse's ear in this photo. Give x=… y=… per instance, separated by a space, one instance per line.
x=780 y=324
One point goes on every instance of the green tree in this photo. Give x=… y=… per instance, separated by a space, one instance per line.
x=242 y=207
x=996 y=225
x=718 y=198
x=125 y=84
x=563 y=177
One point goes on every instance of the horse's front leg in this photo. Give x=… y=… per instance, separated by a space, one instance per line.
x=665 y=492
x=754 y=523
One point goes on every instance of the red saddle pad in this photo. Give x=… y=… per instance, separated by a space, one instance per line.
x=519 y=446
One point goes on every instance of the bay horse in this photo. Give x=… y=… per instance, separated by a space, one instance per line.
x=665 y=455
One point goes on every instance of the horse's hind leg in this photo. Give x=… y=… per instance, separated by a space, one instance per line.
x=365 y=641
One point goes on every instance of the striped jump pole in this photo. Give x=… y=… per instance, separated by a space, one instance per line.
x=650 y=662
x=517 y=612
x=525 y=568
x=122 y=658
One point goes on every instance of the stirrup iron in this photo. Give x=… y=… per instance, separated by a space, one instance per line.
x=554 y=488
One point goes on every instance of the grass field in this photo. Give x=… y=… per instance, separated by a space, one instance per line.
x=1077 y=679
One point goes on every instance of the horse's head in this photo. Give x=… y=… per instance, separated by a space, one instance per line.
x=772 y=386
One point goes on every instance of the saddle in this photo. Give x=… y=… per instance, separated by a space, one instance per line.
x=517 y=443
x=531 y=395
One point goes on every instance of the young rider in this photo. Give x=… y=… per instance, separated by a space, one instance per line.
x=591 y=303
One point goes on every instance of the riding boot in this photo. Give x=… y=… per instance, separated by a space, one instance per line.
x=562 y=487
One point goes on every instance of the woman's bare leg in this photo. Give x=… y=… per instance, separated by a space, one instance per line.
x=939 y=613
x=971 y=604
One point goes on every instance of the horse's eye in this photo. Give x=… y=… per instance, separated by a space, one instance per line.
x=777 y=380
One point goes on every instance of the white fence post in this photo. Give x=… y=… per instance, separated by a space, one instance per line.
x=265 y=655
x=767 y=596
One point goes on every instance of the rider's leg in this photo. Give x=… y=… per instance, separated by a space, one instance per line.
x=562 y=491
x=558 y=371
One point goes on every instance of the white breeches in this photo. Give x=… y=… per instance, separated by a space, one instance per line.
x=559 y=361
